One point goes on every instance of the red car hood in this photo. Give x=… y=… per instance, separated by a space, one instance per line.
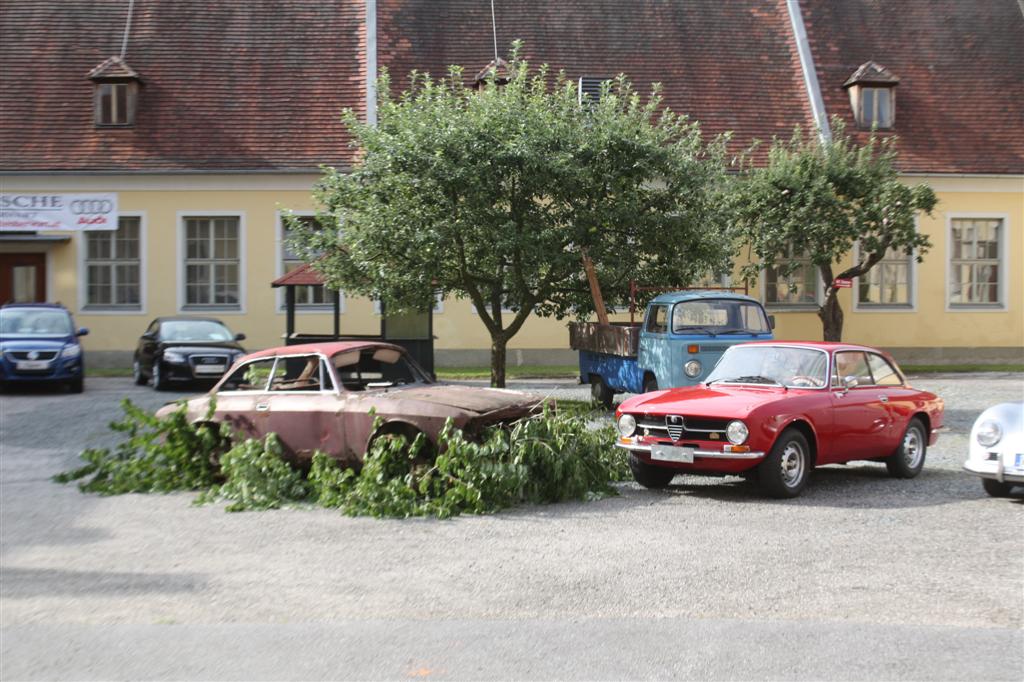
x=716 y=401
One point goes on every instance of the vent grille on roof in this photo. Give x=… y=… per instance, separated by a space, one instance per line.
x=589 y=90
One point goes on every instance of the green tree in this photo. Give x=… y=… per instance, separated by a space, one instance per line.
x=494 y=194
x=821 y=197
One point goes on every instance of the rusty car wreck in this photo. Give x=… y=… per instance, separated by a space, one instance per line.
x=326 y=397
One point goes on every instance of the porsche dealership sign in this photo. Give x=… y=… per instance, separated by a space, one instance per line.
x=33 y=212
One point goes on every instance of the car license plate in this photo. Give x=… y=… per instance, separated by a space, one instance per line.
x=32 y=364
x=1019 y=461
x=209 y=369
x=671 y=453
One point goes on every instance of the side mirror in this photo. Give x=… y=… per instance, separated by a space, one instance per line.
x=149 y=336
x=849 y=382
x=239 y=337
x=82 y=331
x=771 y=322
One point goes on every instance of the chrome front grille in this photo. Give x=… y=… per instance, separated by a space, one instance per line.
x=687 y=428
x=674 y=425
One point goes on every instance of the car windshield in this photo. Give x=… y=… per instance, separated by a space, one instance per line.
x=719 y=316
x=194 y=330
x=34 y=322
x=771 y=365
x=367 y=369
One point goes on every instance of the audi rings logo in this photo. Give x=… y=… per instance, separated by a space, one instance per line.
x=91 y=206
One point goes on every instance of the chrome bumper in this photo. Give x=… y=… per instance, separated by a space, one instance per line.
x=999 y=474
x=716 y=454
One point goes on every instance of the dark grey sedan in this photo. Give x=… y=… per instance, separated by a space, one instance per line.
x=185 y=349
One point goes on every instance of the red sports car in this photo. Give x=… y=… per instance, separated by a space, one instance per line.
x=775 y=410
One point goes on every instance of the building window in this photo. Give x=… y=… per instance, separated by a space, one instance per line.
x=875 y=108
x=305 y=296
x=975 y=262
x=588 y=90
x=888 y=283
x=797 y=289
x=114 y=104
x=212 y=263
x=113 y=267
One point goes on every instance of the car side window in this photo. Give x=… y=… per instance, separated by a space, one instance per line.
x=657 y=319
x=252 y=376
x=851 y=363
x=301 y=373
x=153 y=327
x=883 y=372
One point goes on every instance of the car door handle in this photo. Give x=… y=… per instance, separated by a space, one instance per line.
x=262 y=407
x=884 y=398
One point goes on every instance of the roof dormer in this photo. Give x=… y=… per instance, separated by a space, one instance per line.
x=872 y=89
x=115 y=93
x=496 y=70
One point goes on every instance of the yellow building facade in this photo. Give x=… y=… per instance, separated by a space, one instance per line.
x=929 y=326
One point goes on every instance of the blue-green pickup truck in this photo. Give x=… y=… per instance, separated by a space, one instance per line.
x=682 y=335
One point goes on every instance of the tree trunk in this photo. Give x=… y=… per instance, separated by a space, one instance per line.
x=831 y=315
x=498 y=343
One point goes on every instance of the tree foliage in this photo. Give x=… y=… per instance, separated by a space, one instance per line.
x=494 y=194
x=822 y=198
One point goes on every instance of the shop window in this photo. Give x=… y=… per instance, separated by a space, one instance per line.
x=213 y=263
x=113 y=266
x=976 y=263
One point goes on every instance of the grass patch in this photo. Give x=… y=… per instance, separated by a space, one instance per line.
x=511 y=372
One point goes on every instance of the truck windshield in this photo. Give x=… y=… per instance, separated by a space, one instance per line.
x=719 y=316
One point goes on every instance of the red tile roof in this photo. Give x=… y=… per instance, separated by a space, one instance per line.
x=228 y=85
x=304 y=275
x=113 y=68
x=960 y=99
x=731 y=65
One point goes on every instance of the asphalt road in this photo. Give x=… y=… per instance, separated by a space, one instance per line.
x=863 y=577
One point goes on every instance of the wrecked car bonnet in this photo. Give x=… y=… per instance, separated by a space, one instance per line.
x=468 y=398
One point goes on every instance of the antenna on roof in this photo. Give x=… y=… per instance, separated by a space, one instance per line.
x=127 y=28
x=494 y=29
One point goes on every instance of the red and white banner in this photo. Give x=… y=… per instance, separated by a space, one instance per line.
x=843 y=283
x=34 y=212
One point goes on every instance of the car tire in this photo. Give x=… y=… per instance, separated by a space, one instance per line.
x=77 y=385
x=908 y=460
x=600 y=394
x=650 y=475
x=650 y=383
x=137 y=375
x=996 y=488
x=159 y=382
x=785 y=471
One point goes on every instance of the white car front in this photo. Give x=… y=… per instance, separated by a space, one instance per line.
x=997 y=448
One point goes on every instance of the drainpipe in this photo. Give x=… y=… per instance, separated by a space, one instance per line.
x=803 y=49
x=371 y=62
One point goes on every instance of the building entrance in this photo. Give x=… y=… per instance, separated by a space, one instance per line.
x=22 y=278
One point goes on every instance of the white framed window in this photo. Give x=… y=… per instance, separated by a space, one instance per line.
x=307 y=298
x=799 y=289
x=890 y=284
x=211 y=269
x=976 y=278
x=112 y=267
x=115 y=104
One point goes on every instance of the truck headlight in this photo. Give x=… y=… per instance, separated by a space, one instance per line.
x=171 y=356
x=736 y=432
x=626 y=425
x=692 y=368
x=72 y=351
x=988 y=433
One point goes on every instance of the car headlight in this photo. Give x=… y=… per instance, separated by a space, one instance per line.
x=736 y=432
x=72 y=351
x=171 y=356
x=988 y=433
x=692 y=368
x=626 y=425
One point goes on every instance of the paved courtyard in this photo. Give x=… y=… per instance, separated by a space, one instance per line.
x=863 y=577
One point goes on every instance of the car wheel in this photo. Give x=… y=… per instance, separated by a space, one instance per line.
x=76 y=385
x=137 y=375
x=159 y=382
x=908 y=460
x=650 y=383
x=786 y=469
x=996 y=488
x=649 y=475
x=600 y=394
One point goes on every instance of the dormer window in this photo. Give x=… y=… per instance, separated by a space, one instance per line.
x=872 y=89
x=115 y=94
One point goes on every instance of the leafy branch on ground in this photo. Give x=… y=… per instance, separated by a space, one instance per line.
x=542 y=459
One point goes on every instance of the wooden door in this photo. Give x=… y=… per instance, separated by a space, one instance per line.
x=22 y=277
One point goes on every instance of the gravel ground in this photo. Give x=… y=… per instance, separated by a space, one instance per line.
x=863 y=577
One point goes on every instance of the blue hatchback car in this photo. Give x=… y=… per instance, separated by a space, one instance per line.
x=39 y=343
